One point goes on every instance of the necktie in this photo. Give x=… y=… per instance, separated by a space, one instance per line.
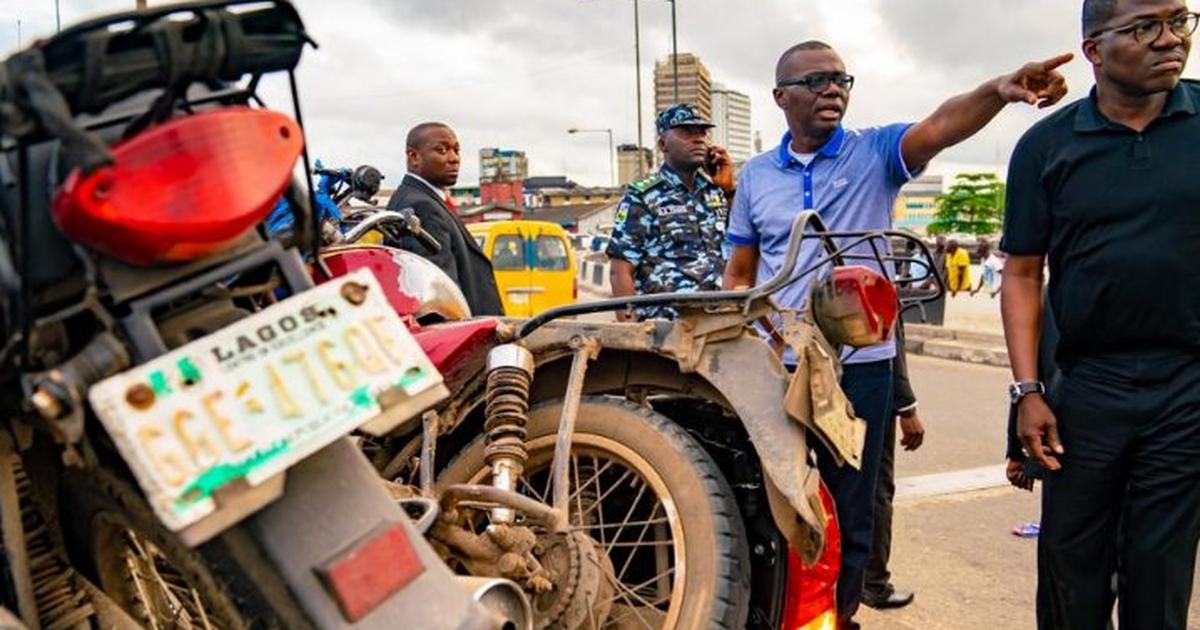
x=450 y=204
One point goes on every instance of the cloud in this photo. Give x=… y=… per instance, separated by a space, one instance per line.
x=519 y=73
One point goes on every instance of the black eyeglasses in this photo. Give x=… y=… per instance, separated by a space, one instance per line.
x=818 y=82
x=1146 y=31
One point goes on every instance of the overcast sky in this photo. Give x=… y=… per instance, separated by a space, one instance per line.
x=519 y=73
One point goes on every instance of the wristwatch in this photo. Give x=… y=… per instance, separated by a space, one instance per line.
x=1017 y=391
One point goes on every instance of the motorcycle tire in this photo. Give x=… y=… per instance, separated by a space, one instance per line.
x=115 y=539
x=715 y=587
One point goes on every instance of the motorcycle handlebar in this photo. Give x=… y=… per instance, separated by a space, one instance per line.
x=784 y=277
x=405 y=217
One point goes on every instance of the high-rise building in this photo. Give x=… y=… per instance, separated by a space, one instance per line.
x=731 y=115
x=695 y=84
x=628 y=168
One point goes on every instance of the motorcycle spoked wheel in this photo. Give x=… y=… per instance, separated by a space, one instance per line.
x=115 y=538
x=653 y=501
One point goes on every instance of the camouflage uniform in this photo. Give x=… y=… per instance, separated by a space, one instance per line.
x=671 y=236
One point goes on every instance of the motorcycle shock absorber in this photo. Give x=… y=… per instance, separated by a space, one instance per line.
x=509 y=376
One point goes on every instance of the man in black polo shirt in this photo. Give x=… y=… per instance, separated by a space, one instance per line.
x=1108 y=189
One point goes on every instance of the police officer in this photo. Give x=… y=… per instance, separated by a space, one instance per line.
x=670 y=226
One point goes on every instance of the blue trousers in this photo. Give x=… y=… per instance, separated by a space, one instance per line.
x=869 y=388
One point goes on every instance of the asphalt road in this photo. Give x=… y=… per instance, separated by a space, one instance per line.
x=956 y=549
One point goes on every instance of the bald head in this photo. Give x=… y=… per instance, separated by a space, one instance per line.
x=781 y=67
x=417 y=135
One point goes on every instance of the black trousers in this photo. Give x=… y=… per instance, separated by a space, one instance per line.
x=879 y=579
x=869 y=388
x=1130 y=426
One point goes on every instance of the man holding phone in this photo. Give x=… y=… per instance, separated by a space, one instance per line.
x=670 y=226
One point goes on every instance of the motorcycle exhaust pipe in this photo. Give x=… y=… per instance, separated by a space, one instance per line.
x=503 y=598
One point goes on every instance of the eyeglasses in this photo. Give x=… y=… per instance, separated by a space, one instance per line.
x=1147 y=31
x=818 y=82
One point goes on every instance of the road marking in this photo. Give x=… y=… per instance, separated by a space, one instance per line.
x=968 y=480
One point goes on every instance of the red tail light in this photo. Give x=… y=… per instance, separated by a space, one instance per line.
x=575 y=289
x=183 y=189
x=855 y=306
x=811 y=602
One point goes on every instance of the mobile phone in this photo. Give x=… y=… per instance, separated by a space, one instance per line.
x=710 y=161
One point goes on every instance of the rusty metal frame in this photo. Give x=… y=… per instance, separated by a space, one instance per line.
x=715 y=352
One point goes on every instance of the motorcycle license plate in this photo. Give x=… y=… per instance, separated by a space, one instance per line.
x=256 y=397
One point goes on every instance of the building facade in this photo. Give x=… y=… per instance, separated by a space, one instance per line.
x=731 y=115
x=916 y=204
x=628 y=167
x=501 y=175
x=695 y=84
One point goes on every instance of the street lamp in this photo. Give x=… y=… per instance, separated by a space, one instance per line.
x=674 y=51
x=611 y=172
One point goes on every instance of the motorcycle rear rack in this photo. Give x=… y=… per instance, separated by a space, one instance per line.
x=835 y=254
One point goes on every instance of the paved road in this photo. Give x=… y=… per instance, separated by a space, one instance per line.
x=957 y=550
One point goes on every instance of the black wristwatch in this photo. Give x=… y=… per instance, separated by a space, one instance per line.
x=1017 y=391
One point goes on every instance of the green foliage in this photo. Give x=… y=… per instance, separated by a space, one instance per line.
x=973 y=205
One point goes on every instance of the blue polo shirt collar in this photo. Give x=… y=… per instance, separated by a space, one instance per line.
x=831 y=149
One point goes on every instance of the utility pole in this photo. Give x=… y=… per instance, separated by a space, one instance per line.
x=674 y=50
x=637 y=63
x=57 y=18
x=141 y=4
x=18 y=32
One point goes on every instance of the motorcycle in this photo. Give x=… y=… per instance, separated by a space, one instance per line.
x=177 y=391
x=641 y=475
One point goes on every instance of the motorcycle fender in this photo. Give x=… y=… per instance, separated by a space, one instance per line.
x=781 y=443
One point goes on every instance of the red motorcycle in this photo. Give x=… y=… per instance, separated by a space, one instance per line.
x=638 y=475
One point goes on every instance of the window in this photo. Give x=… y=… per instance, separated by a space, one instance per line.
x=552 y=254
x=508 y=253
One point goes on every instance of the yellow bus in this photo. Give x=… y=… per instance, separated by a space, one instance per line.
x=533 y=262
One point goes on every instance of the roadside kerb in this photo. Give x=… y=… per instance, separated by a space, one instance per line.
x=957 y=345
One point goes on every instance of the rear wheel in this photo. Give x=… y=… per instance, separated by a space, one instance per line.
x=653 y=502
x=113 y=536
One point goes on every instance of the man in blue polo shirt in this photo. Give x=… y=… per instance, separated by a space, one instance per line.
x=851 y=178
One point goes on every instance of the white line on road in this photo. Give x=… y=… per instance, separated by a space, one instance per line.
x=968 y=480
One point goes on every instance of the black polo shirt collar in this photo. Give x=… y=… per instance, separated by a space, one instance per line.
x=1089 y=118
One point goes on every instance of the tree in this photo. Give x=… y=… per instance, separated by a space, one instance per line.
x=973 y=205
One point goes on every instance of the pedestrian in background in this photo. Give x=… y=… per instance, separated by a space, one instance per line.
x=852 y=177
x=938 y=264
x=958 y=268
x=670 y=226
x=991 y=265
x=1105 y=189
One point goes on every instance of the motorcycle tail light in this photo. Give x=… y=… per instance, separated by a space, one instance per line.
x=855 y=306
x=183 y=189
x=367 y=573
x=811 y=600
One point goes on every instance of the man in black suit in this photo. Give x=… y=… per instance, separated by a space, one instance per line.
x=433 y=159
